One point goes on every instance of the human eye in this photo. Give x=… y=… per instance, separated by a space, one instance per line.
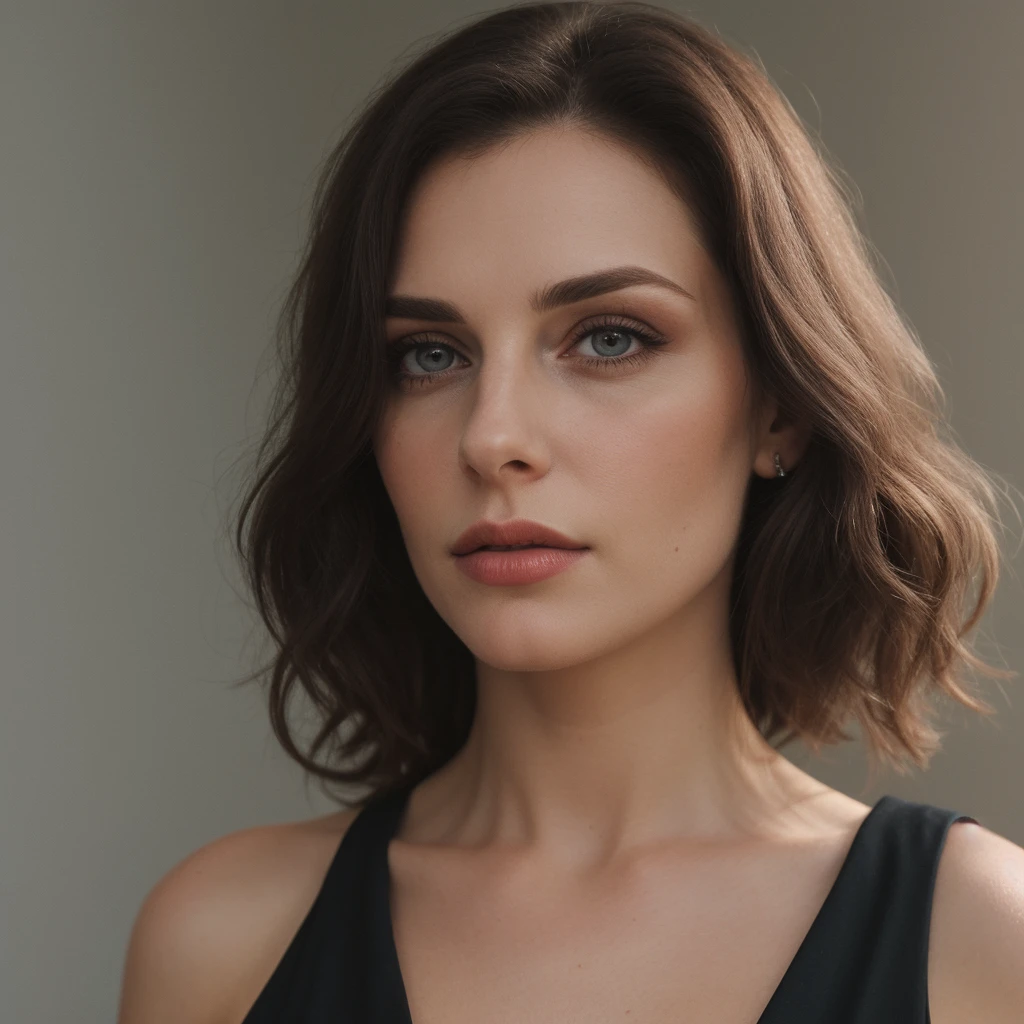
x=397 y=351
x=598 y=327
x=602 y=326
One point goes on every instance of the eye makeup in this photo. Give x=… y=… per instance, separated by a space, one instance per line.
x=619 y=323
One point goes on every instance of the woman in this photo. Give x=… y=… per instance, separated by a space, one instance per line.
x=579 y=281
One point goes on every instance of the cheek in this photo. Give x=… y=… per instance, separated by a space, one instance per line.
x=689 y=434
x=410 y=467
x=679 y=476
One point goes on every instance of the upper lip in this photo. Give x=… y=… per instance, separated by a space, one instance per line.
x=512 y=531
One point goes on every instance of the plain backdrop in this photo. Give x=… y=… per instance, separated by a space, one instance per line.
x=157 y=166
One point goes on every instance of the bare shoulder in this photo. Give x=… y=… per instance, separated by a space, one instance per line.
x=976 y=947
x=210 y=932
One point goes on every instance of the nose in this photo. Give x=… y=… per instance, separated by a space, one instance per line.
x=508 y=421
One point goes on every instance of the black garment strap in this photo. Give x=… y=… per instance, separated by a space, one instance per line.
x=341 y=965
x=865 y=959
x=381 y=976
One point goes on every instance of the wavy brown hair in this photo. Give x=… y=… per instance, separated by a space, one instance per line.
x=855 y=576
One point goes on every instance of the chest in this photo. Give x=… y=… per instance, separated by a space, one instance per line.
x=674 y=939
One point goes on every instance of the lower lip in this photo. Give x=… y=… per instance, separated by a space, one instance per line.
x=527 y=565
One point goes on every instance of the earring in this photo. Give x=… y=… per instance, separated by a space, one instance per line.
x=779 y=471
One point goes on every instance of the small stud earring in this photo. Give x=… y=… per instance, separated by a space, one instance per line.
x=779 y=471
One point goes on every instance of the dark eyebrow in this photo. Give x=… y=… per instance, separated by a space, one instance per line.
x=563 y=293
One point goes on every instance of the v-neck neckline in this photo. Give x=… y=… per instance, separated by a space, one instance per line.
x=392 y=991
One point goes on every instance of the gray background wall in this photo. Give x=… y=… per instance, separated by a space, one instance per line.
x=157 y=164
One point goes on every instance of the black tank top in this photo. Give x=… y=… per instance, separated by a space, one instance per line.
x=863 y=961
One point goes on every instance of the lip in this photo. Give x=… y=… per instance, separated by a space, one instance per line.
x=512 y=531
x=507 y=568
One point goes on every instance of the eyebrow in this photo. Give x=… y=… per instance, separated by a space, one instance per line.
x=552 y=296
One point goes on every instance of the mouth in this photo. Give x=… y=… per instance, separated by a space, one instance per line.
x=512 y=535
x=515 y=564
x=512 y=547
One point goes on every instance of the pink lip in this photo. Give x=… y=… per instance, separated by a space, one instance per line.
x=529 y=565
x=511 y=531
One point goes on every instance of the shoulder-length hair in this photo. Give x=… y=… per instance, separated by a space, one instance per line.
x=852 y=574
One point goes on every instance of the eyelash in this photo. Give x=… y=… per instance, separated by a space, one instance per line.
x=647 y=338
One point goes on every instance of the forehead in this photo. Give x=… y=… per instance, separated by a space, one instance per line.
x=550 y=205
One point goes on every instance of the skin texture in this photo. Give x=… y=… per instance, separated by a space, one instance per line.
x=607 y=709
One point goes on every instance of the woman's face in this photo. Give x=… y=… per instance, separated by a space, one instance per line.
x=644 y=458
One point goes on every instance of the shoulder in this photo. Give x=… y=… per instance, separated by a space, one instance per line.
x=210 y=932
x=976 y=948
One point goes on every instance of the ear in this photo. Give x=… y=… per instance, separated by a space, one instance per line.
x=778 y=433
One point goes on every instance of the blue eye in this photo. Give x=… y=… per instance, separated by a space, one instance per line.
x=600 y=326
